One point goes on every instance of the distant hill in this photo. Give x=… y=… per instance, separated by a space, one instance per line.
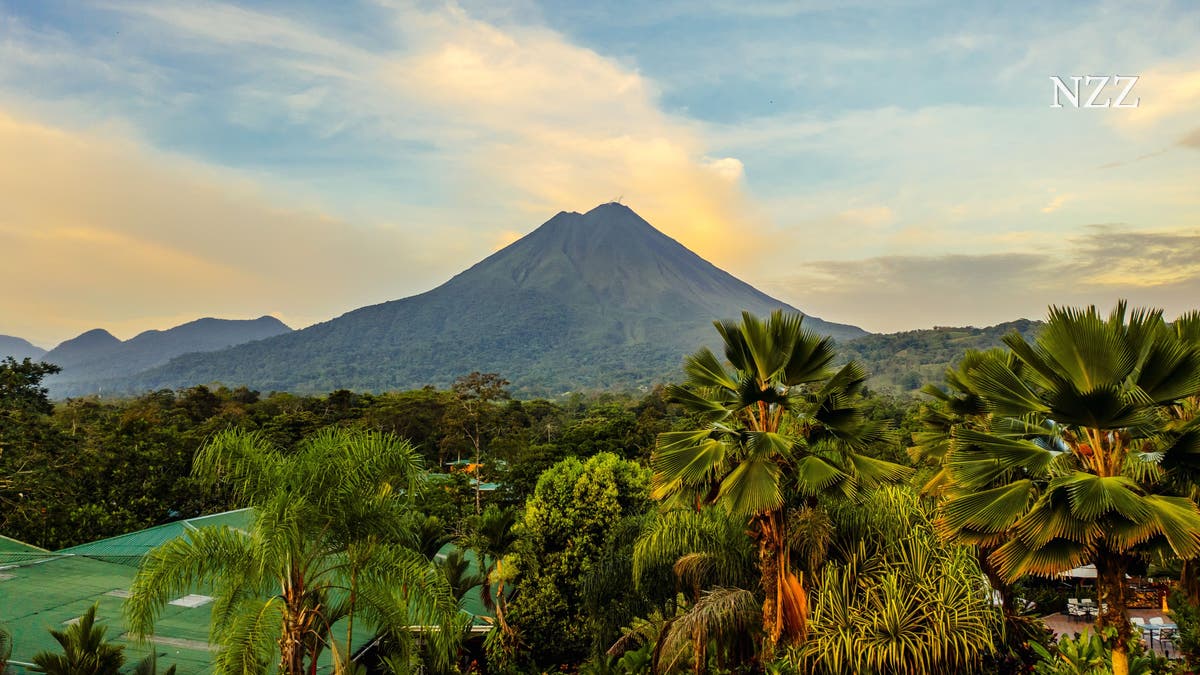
x=19 y=348
x=591 y=301
x=92 y=346
x=904 y=362
x=95 y=360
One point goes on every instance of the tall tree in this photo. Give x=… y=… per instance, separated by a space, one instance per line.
x=473 y=414
x=1075 y=465
x=327 y=544
x=781 y=426
x=31 y=449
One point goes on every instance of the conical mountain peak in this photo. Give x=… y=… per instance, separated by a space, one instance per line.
x=586 y=301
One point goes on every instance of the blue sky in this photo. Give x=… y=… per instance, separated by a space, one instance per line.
x=890 y=164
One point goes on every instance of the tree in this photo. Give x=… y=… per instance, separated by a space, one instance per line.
x=457 y=568
x=782 y=425
x=473 y=414
x=31 y=449
x=21 y=386
x=327 y=544
x=713 y=559
x=1076 y=462
x=564 y=530
x=491 y=535
x=85 y=651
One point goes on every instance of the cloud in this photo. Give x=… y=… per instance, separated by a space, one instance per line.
x=1113 y=258
x=474 y=131
x=1056 y=203
x=99 y=231
x=1163 y=92
x=898 y=292
x=566 y=128
x=521 y=119
x=1191 y=139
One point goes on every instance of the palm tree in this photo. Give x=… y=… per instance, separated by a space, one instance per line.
x=961 y=407
x=781 y=424
x=1075 y=464
x=457 y=568
x=492 y=537
x=327 y=544
x=429 y=534
x=1187 y=480
x=84 y=650
x=714 y=561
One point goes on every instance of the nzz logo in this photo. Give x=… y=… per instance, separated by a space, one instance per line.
x=1071 y=94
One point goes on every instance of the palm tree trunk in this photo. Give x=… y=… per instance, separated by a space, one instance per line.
x=1189 y=581
x=768 y=567
x=291 y=644
x=501 y=603
x=1110 y=587
x=785 y=602
x=350 y=618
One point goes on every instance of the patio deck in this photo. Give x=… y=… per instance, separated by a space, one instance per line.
x=1063 y=624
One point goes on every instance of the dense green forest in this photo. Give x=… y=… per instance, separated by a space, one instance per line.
x=769 y=513
x=904 y=362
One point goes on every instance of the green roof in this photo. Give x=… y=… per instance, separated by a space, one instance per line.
x=40 y=590
x=43 y=590
x=9 y=545
x=53 y=590
x=129 y=548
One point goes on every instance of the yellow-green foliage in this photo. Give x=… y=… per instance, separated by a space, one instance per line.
x=902 y=600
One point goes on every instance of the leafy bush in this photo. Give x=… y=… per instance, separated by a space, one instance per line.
x=1091 y=654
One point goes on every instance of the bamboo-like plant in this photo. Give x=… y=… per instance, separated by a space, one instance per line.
x=901 y=601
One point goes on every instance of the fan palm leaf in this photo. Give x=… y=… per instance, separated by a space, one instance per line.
x=776 y=422
x=1068 y=453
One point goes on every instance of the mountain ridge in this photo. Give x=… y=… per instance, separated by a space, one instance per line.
x=19 y=348
x=97 y=360
x=594 y=301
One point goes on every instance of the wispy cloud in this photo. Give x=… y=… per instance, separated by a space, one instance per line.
x=97 y=231
x=904 y=146
x=897 y=292
x=531 y=121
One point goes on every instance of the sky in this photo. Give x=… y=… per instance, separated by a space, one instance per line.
x=893 y=164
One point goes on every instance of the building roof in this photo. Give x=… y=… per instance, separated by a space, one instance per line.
x=129 y=548
x=54 y=590
x=42 y=590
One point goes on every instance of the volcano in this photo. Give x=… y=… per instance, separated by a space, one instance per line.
x=594 y=301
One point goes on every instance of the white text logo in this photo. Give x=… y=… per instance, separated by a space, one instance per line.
x=1093 y=87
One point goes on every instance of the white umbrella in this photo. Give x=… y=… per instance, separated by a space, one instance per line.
x=1085 y=572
